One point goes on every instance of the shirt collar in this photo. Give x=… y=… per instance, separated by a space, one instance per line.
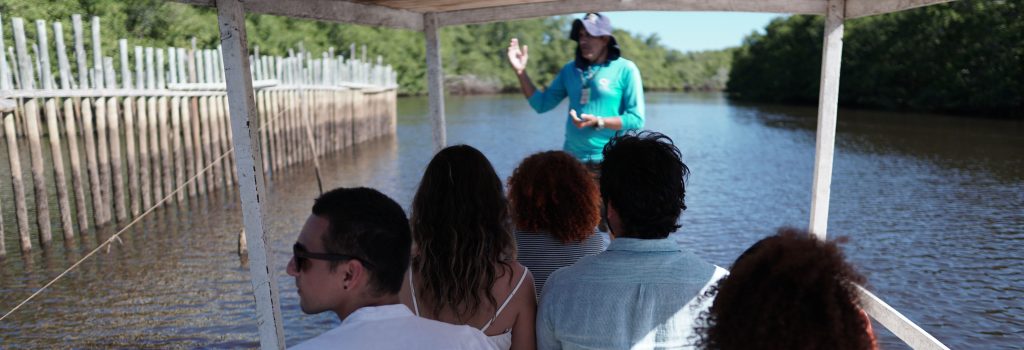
x=370 y=313
x=644 y=245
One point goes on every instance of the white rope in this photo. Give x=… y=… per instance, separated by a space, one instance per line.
x=115 y=236
x=130 y=224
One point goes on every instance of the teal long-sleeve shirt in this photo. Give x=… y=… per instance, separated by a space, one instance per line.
x=616 y=90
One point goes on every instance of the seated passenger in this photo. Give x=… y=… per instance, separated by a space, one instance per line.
x=350 y=258
x=789 y=291
x=555 y=207
x=464 y=269
x=641 y=293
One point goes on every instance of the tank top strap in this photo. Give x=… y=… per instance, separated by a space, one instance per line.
x=507 y=300
x=412 y=290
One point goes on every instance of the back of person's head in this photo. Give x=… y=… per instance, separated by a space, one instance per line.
x=461 y=229
x=788 y=291
x=643 y=177
x=553 y=192
x=365 y=223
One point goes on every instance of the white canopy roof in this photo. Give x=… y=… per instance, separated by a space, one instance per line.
x=408 y=14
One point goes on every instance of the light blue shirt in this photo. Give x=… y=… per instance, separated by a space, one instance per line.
x=639 y=294
x=616 y=90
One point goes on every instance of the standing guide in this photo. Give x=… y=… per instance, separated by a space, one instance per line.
x=604 y=90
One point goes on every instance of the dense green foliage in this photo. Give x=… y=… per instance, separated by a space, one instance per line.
x=474 y=51
x=962 y=57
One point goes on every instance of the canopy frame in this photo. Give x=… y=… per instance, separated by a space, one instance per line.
x=372 y=12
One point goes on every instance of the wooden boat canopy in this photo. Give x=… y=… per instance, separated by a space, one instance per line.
x=408 y=14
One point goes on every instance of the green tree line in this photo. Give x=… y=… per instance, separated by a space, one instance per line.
x=961 y=57
x=472 y=52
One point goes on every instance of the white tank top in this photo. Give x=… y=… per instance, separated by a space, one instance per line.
x=501 y=341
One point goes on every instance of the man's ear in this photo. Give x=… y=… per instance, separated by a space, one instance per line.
x=353 y=273
x=612 y=217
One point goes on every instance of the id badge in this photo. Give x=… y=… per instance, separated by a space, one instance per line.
x=585 y=95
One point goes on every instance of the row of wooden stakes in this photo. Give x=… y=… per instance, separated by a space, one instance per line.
x=163 y=134
x=142 y=152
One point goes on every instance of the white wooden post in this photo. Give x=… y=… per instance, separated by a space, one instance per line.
x=828 y=100
x=435 y=80
x=248 y=163
x=895 y=322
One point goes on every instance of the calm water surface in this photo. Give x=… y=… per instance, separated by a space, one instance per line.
x=933 y=207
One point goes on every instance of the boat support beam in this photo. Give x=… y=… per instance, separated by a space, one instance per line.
x=828 y=100
x=249 y=165
x=435 y=79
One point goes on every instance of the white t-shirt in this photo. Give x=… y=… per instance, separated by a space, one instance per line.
x=395 y=327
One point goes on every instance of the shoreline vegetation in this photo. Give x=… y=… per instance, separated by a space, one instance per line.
x=965 y=57
x=474 y=57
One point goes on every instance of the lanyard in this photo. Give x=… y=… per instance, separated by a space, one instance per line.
x=585 y=83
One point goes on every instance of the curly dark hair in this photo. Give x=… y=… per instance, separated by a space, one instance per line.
x=553 y=192
x=788 y=291
x=644 y=178
x=460 y=225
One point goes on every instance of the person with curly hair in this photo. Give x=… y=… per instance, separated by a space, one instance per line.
x=642 y=292
x=789 y=291
x=464 y=269
x=555 y=207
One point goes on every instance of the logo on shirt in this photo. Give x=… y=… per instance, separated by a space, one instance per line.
x=603 y=83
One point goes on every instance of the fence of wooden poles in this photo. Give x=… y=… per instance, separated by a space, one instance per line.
x=156 y=130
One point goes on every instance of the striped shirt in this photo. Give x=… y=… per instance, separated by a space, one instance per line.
x=543 y=253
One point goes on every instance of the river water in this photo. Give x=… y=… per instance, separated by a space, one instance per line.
x=933 y=207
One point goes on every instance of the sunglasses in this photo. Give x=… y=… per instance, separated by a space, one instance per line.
x=302 y=257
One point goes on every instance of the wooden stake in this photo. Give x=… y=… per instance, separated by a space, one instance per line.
x=103 y=159
x=232 y=177
x=60 y=180
x=275 y=130
x=215 y=141
x=196 y=121
x=97 y=54
x=77 y=182
x=31 y=111
x=14 y=158
x=5 y=84
x=144 y=154
x=207 y=137
x=83 y=72
x=179 y=157
x=189 y=151
x=264 y=131
x=165 y=147
x=114 y=128
x=135 y=197
x=154 y=147
x=53 y=131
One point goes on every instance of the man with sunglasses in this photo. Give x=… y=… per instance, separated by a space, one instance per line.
x=350 y=258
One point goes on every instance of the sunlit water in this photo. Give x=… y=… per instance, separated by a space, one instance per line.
x=933 y=206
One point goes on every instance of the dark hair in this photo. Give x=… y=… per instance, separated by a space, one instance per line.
x=368 y=224
x=461 y=228
x=552 y=191
x=644 y=179
x=788 y=291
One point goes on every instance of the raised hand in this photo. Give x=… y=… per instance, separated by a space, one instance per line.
x=518 y=57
